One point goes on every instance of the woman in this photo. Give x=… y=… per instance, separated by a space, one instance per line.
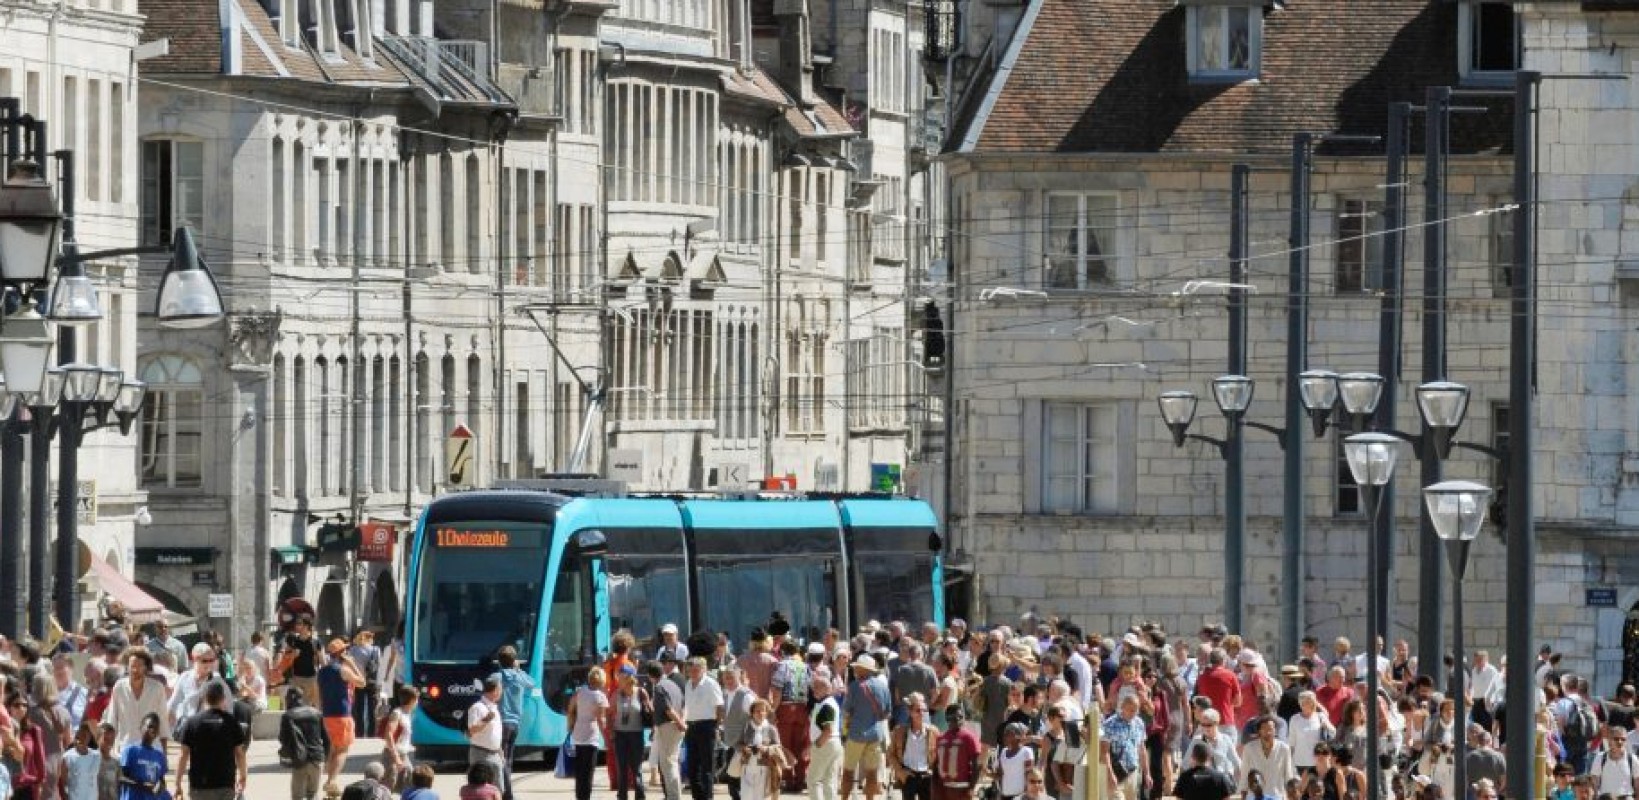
x=589 y=725
x=621 y=645
x=252 y=690
x=56 y=729
x=1351 y=731
x=396 y=750
x=142 y=766
x=29 y=777
x=632 y=714
x=760 y=756
x=1306 y=729
x=1345 y=781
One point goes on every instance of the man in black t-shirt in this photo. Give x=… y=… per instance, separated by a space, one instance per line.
x=213 y=749
x=300 y=658
x=1201 y=781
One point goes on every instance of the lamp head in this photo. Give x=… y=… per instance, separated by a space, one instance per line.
x=1360 y=392
x=1233 y=393
x=1178 y=411
x=29 y=225
x=74 y=298
x=81 y=382
x=26 y=342
x=1371 y=457
x=1457 y=509
x=188 y=295
x=1443 y=406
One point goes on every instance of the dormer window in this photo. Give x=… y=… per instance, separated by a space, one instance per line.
x=1225 y=41
x=1488 y=44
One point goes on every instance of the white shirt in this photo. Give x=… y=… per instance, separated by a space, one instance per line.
x=187 y=695
x=484 y=725
x=1275 y=766
x=915 y=757
x=126 y=710
x=1302 y=734
x=1084 y=677
x=836 y=719
x=1481 y=681
x=260 y=656
x=1615 y=773
x=702 y=700
x=680 y=650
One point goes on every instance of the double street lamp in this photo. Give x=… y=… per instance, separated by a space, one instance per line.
x=73 y=397
x=1457 y=509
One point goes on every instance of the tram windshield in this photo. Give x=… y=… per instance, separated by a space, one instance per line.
x=472 y=599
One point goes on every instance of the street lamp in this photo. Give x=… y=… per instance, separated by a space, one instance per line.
x=25 y=349
x=1457 y=509
x=74 y=297
x=1233 y=394
x=1443 y=405
x=29 y=222
x=188 y=296
x=1371 y=458
x=1360 y=393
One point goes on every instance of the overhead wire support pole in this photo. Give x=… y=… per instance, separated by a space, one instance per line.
x=1297 y=356
x=1234 y=449
x=1430 y=587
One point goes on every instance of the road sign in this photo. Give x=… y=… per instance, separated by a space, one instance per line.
x=458 y=450
x=218 y=606
x=625 y=465
x=1600 y=597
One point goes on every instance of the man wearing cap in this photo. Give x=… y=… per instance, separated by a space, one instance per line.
x=702 y=714
x=189 y=688
x=337 y=679
x=669 y=645
x=865 y=714
x=788 y=692
x=667 y=697
x=1295 y=685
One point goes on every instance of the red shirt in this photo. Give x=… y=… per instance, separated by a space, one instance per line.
x=1221 y=686
x=99 y=704
x=1333 y=700
x=956 y=753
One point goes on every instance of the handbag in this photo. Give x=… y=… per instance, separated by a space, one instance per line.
x=563 y=769
x=736 y=765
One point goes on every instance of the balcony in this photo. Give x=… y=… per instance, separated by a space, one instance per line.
x=533 y=87
x=455 y=71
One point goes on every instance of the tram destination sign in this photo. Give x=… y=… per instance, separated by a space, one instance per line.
x=486 y=537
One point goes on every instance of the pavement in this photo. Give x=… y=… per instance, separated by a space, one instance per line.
x=535 y=781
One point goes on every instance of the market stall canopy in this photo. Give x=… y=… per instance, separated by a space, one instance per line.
x=140 y=606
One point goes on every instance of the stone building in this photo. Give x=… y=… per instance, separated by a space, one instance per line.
x=69 y=64
x=1089 y=170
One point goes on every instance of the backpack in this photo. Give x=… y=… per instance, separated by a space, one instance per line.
x=1580 y=724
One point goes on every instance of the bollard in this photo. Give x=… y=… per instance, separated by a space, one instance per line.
x=1539 y=783
x=1094 y=759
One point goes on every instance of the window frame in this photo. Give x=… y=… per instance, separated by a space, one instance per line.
x=160 y=410
x=1198 y=72
x=1343 y=482
x=1082 y=504
x=163 y=191
x=1465 y=45
x=1368 y=238
x=1500 y=237
x=1109 y=244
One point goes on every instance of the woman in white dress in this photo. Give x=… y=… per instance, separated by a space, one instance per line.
x=759 y=746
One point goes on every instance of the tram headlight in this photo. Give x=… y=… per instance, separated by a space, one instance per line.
x=433 y=692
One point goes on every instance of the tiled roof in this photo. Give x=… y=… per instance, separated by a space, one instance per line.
x=1111 y=76
x=821 y=119
x=195 y=30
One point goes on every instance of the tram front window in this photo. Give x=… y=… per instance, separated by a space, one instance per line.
x=480 y=589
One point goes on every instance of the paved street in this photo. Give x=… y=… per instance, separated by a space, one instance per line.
x=269 y=781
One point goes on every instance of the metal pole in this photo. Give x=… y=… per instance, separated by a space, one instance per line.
x=39 y=510
x=1388 y=357
x=1234 y=439
x=1520 y=611
x=1297 y=356
x=1374 y=495
x=1459 y=737
x=1429 y=602
x=11 y=524
x=70 y=416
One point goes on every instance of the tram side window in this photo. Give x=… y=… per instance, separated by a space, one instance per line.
x=895 y=586
x=738 y=594
x=566 y=618
x=645 y=593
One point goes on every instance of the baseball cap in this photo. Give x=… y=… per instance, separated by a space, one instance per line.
x=816 y=649
x=668 y=628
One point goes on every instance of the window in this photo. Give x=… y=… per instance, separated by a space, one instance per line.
x=1345 y=492
x=173 y=422
x=1488 y=47
x=1500 y=433
x=173 y=183
x=1359 y=246
x=1080 y=241
x=1502 y=253
x=1079 y=467
x=1225 y=41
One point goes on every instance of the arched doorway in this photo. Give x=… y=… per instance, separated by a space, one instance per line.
x=289 y=589
x=1630 y=646
x=385 y=602
x=332 y=608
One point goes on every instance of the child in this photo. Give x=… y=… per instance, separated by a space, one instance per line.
x=395 y=738
x=108 y=771
x=1561 y=790
x=421 y=784
x=480 y=783
x=81 y=765
x=142 y=767
x=1013 y=762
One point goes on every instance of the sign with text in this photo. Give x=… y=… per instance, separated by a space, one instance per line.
x=625 y=465
x=218 y=606
x=1600 y=597
x=376 y=540
x=176 y=556
x=85 y=501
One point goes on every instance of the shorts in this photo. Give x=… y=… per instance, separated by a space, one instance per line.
x=341 y=732
x=862 y=754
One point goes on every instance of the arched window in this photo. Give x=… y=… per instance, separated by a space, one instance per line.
x=173 y=423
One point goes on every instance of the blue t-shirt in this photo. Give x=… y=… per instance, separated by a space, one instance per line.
x=515 y=684
x=144 y=764
x=335 y=696
x=866 y=706
x=82 y=773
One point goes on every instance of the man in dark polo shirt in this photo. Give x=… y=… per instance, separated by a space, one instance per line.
x=213 y=750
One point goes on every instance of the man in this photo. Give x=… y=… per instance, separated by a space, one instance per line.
x=1122 y=751
x=1220 y=685
x=1480 y=685
x=1194 y=665
x=993 y=693
x=1483 y=761
x=337 y=679
x=1213 y=734
x=1201 y=781
x=1270 y=758
x=1295 y=685
x=1616 y=768
x=300 y=660
x=188 y=693
x=304 y=743
x=1029 y=715
x=1620 y=710
x=669 y=645
x=72 y=696
x=1383 y=664
x=367 y=659
x=956 y=762
x=1082 y=669
x=736 y=715
x=114 y=626
x=1579 y=729
x=865 y=709
x=825 y=757
x=788 y=693
x=370 y=786
x=667 y=696
x=1342 y=656
x=136 y=696
x=911 y=751
x=702 y=713
x=912 y=676
x=163 y=641
x=1334 y=695
x=213 y=748
x=485 y=730
x=515 y=686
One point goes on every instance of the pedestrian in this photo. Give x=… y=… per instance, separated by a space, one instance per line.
x=788 y=693
x=108 y=767
x=213 y=748
x=1201 y=781
x=1616 y=768
x=1269 y=757
x=299 y=660
x=865 y=713
x=303 y=743
x=484 y=728
x=163 y=641
x=588 y=725
x=956 y=762
x=71 y=694
x=188 y=692
x=142 y=766
x=56 y=731
x=367 y=660
x=702 y=714
x=368 y=787
x=912 y=749
x=669 y=645
x=621 y=649
x=632 y=715
x=396 y=750
x=760 y=755
x=736 y=717
x=258 y=653
x=133 y=698
x=337 y=679
x=667 y=698
x=481 y=782
x=1122 y=750
x=81 y=764
x=97 y=706
x=252 y=699
x=1035 y=785
x=421 y=783
x=515 y=686
x=1012 y=761
x=825 y=754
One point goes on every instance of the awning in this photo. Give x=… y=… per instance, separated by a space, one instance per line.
x=139 y=605
x=286 y=556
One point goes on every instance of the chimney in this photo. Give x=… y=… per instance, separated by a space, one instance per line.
x=796 y=70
